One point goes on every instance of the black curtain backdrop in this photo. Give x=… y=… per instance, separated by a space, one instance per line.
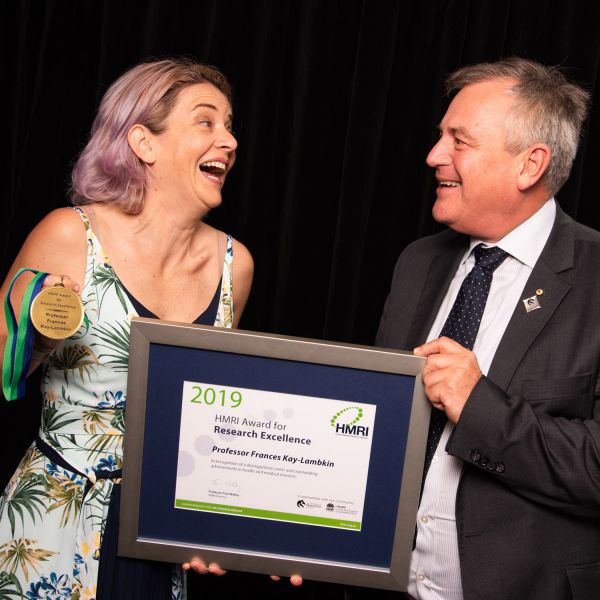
x=336 y=106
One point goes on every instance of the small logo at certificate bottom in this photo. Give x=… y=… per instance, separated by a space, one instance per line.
x=300 y=504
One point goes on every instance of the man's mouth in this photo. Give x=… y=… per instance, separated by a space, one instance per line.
x=448 y=184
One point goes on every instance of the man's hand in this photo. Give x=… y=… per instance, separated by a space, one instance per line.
x=449 y=376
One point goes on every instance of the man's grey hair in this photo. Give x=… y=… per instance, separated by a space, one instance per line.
x=549 y=109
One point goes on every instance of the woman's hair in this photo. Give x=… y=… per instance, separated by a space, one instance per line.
x=107 y=170
x=549 y=109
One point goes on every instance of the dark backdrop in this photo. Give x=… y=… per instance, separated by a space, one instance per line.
x=336 y=106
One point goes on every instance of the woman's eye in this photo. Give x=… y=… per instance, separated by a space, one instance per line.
x=206 y=122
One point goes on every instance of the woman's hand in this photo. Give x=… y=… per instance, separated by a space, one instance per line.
x=198 y=565
x=295 y=580
x=63 y=280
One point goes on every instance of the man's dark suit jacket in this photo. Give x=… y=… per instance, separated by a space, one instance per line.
x=528 y=502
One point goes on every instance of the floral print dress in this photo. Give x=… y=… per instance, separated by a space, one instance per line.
x=52 y=518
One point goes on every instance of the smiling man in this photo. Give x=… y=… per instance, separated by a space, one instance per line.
x=505 y=305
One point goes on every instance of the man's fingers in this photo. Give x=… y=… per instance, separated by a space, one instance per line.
x=434 y=377
x=442 y=344
x=435 y=362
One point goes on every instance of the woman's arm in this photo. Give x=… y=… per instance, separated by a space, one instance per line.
x=57 y=245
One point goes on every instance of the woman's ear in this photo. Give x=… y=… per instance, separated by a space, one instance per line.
x=141 y=141
x=535 y=163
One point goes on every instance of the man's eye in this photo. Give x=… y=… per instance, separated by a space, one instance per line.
x=458 y=141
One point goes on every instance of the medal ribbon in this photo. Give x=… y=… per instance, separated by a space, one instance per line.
x=19 y=341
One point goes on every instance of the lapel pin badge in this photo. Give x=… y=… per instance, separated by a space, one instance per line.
x=533 y=303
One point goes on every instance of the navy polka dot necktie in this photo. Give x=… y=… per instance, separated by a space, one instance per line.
x=463 y=322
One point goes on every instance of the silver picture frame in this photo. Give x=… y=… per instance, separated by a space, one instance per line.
x=148 y=441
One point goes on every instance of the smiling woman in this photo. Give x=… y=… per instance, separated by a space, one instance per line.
x=190 y=158
x=135 y=243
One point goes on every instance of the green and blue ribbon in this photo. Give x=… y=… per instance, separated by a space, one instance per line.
x=19 y=341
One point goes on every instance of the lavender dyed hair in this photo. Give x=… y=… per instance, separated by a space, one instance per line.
x=107 y=170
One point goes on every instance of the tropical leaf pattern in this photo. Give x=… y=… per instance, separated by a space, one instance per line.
x=73 y=358
x=105 y=279
x=27 y=499
x=52 y=518
x=10 y=587
x=225 y=310
x=22 y=554
x=115 y=338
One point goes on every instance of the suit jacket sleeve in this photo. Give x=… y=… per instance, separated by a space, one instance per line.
x=541 y=450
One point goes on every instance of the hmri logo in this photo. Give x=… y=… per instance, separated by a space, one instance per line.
x=345 y=422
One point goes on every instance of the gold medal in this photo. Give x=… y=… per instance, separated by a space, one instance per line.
x=57 y=312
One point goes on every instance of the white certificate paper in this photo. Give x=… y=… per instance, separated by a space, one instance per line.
x=271 y=455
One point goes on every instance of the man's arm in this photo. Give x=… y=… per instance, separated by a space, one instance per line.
x=549 y=458
x=553 y=460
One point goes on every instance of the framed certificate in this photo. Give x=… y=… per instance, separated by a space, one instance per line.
x=272 y=454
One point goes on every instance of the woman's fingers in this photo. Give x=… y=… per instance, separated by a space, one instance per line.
x=295 y=580
x=200 y=567
x=64 y=280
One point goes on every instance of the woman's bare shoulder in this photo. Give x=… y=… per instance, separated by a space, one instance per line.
x=60 y=225
x=242 y=259
x=244 y=263
x=58 y=240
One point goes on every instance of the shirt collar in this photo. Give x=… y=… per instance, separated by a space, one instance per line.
x=526 y=242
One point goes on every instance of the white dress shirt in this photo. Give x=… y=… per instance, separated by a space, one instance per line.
x=435 y=566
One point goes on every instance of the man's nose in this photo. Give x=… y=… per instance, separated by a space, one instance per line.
x=439 y=154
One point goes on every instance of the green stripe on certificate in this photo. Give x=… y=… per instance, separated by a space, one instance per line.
x=266 y=514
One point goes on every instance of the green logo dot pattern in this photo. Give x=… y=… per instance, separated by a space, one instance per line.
x=359 y=415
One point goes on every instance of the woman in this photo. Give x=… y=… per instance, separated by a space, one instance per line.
x=135 y=243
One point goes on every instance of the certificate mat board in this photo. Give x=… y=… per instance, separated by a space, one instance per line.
x=272 y=454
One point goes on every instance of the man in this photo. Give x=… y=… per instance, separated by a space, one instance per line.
x=510 y=507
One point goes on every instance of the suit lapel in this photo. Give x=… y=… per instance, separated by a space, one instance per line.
x=441 y=270
x=551 y=278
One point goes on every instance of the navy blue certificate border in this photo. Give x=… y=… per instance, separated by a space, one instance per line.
x=170 y=366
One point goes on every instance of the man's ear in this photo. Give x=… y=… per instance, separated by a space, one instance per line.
x=141 y=141
x=535 y=163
